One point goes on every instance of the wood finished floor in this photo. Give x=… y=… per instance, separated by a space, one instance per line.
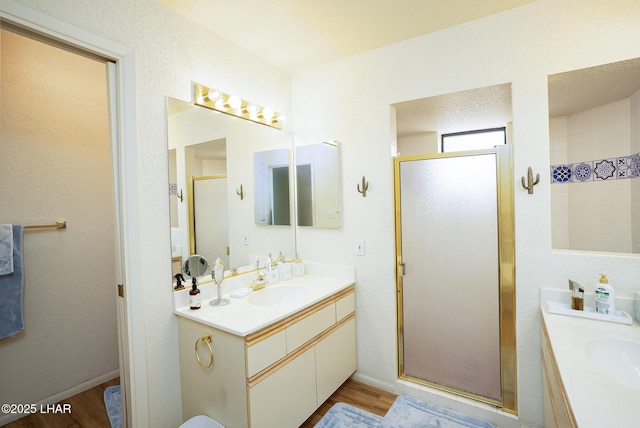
x=357 y=394
x=88 y=410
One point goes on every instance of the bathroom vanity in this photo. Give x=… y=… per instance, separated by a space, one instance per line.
x=588 y=371
x=269 y=359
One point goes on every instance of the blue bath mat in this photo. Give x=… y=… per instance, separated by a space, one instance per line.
x=406 y=412
x=113 y=403
x=342 y=415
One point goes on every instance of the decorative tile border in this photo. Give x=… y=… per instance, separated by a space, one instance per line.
x=597 y=170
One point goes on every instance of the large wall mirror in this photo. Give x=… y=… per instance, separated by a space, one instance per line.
x=594 y=134
x=212 y=192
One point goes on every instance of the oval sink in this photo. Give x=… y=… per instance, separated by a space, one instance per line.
x=276 y=296
x=618 y=359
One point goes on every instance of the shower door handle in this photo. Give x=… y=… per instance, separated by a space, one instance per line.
x=401 y=269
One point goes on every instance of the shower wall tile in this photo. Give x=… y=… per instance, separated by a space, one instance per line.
x=597 y=170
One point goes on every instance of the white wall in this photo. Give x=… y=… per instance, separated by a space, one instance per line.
x=56 y=164
x=170 y=54
x=521 y=46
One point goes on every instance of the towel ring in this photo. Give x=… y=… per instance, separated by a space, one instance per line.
x=206 y=339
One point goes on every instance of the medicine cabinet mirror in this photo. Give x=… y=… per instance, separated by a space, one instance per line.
x=318 y=185
x=211 y=175
x=273 y=192
x=594 y=135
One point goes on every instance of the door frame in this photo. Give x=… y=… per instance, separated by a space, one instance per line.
x=506 y=262
x=131 y=336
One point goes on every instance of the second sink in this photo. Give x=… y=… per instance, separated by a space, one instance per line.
x=277 y=295
x=618 y=359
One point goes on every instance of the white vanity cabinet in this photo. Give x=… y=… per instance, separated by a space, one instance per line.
x=557 y=411
x=275 y=377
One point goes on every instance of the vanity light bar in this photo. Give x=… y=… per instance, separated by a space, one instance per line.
x=234 y=105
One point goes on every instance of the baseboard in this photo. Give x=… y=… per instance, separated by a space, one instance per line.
x=62 y=395
x=389 y=387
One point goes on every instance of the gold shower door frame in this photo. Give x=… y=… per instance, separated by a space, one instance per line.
x=506 y=276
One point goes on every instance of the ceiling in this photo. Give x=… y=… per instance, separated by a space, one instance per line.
x=583 y=89
x=297 y=34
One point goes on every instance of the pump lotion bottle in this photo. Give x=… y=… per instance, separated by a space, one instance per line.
x=605 y=297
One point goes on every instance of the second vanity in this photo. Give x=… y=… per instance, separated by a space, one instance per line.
x=581 y=359
x=269 y=359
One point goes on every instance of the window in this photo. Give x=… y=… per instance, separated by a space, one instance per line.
x=473 y=140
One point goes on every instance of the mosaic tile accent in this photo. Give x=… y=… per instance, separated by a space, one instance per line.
x=605 y=168
x=597 y=170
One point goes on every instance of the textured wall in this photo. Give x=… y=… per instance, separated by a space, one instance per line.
x=521 y=46
x=56 y=164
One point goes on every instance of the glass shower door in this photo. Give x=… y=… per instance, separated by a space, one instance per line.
x=449 y=280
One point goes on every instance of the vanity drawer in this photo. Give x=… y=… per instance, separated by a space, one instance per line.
x=345 y=306
x=266 y=352
x=309 y=327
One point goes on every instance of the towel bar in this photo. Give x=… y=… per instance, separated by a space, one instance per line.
x=61 y=224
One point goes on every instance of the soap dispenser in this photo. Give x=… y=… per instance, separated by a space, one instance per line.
x=605 y=297
x=297 y=267
x=284 y=268
x=272 y=271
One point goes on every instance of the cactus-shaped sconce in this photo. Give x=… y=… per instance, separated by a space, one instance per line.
x=240 y=192
x=365 y=187
x=530 y=181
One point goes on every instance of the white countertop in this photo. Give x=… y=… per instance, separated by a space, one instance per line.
x=242 y=318
x=596 y=400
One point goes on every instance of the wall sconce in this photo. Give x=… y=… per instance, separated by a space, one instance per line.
x=234 y=105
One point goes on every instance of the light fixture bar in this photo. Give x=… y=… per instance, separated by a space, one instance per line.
x=234 y=105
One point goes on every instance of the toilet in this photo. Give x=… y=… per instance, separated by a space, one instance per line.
x=201 y=421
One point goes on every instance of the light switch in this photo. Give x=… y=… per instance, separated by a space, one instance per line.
x=359 y=247
x=245 y=238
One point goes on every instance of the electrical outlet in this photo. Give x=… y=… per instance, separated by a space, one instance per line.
x=359 y=247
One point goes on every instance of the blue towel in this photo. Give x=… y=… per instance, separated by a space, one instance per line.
x=11 y=285
x=6 y=249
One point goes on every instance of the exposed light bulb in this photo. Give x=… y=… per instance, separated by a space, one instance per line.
x=220 y=105
x=267 y=113
x=234 y=102
x=213 y=95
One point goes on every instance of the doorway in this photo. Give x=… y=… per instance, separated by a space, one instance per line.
x=455 y=282
x=64 y=167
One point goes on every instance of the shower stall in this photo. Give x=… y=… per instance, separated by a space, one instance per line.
x=456 y=273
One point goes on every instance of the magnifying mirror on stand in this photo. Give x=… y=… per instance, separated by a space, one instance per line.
x=195 y=267
x=217 y=274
